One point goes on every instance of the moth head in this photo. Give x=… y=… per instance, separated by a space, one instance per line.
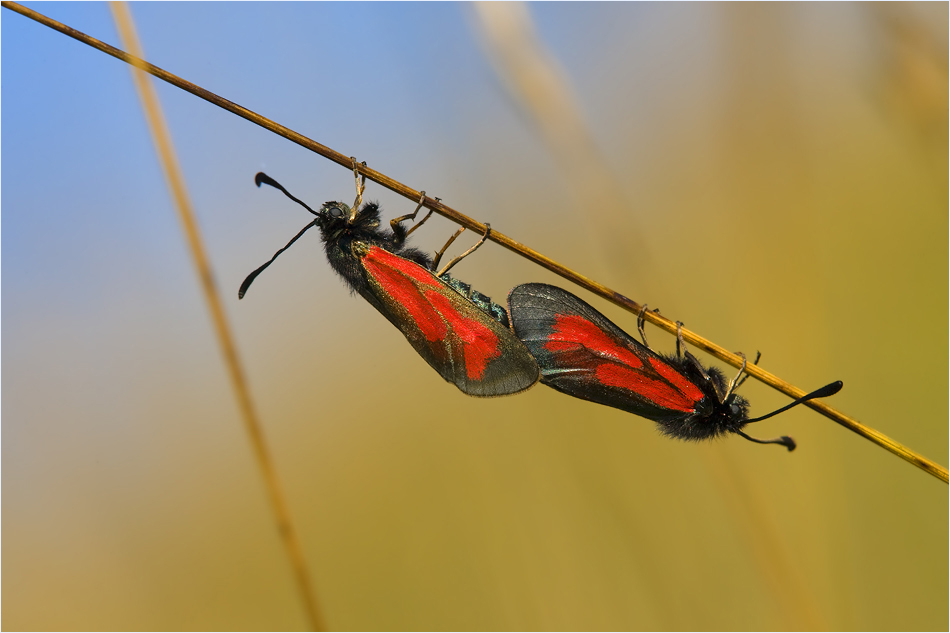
x=334 y=212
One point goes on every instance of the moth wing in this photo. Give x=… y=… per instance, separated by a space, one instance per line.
x=583 y=354
x=463 y=343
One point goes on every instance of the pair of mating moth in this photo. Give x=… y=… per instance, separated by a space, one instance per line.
x=546 y=333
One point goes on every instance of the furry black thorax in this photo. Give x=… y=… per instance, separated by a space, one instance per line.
x=339 y=232
x=714 y=416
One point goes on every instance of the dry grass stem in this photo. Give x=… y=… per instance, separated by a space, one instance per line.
x=628 y=304
x=176 y=183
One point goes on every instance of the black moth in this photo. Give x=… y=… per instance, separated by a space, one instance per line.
x=460 y=332
x=583 y=354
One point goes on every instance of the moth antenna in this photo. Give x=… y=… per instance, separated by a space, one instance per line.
x=250 y=278
x=785 y=441
x=263 y=179
x=828 y=390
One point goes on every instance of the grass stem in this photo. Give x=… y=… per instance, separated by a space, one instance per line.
x=176 y=184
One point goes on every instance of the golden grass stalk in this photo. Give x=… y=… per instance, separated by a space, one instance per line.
x=176 y=184
x=631 y=306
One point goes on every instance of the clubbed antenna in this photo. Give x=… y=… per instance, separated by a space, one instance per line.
x=250 y=278
x=786 y=441
x=263 y=179
x=824 y=392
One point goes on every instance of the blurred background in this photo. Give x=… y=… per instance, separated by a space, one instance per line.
x=773 y=175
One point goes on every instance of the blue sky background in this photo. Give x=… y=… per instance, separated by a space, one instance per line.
x=773 y=175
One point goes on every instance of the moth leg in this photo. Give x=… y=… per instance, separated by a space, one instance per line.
x=360 y=188
x=466 y=253
x=683 y=353
x=735 y=381
x=641 y=322
x=396 y=223
x=680 y=345
x=423 y=220
x=758 y=356
x=438 y=256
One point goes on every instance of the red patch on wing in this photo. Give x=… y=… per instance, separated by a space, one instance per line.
x=570 y=332
x=677 y=379
x=479 y=344
x=423 y=296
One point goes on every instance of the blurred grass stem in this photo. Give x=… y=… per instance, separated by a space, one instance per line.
x=345 y=161
x=176 y=183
